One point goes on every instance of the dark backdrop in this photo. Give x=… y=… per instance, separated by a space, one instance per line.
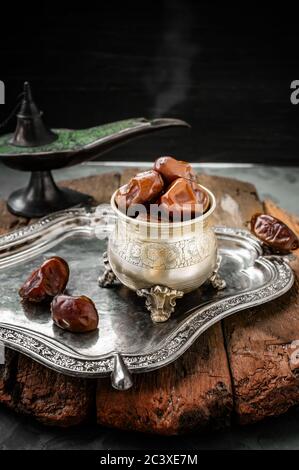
x=227 y=71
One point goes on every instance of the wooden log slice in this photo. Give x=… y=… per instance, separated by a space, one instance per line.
x=263 y=345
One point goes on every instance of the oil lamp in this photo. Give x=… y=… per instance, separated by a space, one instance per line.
x=35 y=148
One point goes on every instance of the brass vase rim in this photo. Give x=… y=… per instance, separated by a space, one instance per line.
x=145 y=223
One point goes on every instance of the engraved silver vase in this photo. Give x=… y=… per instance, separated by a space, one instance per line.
x=164 y=260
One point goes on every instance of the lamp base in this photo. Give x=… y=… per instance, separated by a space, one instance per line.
x=42 y=196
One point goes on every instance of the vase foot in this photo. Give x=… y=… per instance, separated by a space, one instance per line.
x=160 y=301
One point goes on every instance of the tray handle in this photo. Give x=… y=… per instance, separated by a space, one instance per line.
x=121 y=378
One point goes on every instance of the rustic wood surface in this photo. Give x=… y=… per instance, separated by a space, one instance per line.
x=245 y=366
x=261 y=343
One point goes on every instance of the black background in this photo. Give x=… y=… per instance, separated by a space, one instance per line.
x=225 y=69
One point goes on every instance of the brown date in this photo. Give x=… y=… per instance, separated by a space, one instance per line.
x=171 y=169
x=184 y=199
x=141 y=189
x=274 y=233
x=75 y=314
x=46 y=281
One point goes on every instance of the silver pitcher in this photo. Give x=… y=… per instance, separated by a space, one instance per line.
x=162 y=261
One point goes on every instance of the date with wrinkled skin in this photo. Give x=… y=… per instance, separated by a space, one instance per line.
x=143 y=188
x=46 y=281
x=274 y=233
x=75 y=314
x=171 y=169
x=184 y=200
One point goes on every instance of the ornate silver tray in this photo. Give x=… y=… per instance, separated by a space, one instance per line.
x=127 y=341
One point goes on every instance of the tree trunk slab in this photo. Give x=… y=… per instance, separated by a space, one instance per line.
x=246 y=366
x=262 y=345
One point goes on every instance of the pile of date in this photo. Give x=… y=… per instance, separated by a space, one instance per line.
x=167 y=193
x=47 y=284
